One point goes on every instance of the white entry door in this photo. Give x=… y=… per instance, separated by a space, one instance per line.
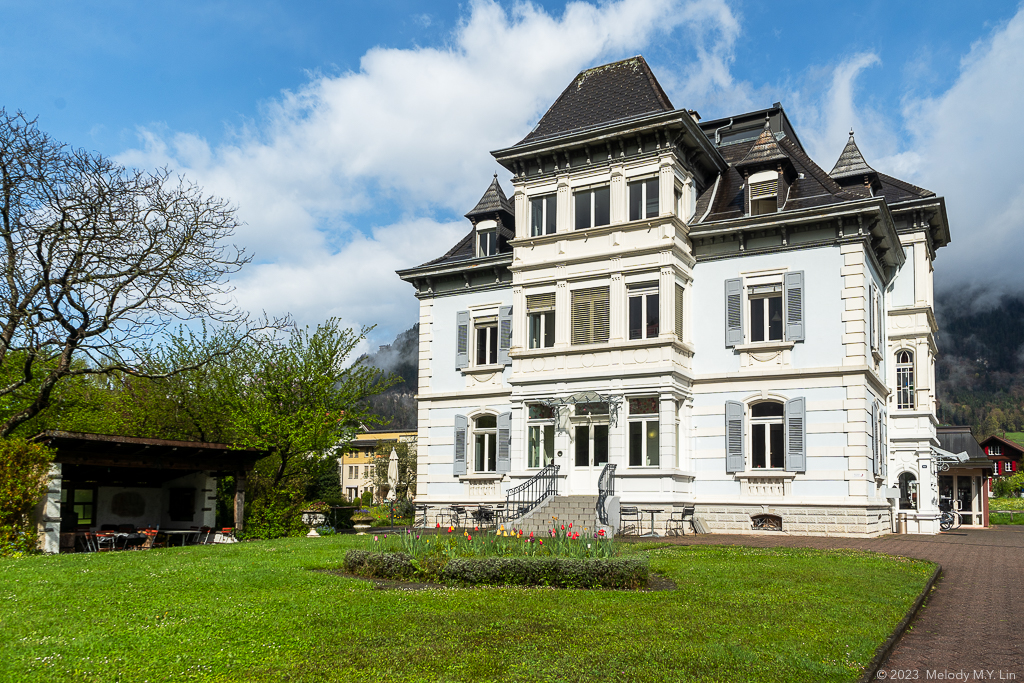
x=589 y=456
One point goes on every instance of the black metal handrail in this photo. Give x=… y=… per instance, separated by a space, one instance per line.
x=531 y=493
x=605 y=489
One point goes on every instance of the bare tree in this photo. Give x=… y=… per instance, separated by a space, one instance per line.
x=97 y=261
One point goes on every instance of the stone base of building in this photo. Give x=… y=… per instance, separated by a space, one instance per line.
x=800 y=520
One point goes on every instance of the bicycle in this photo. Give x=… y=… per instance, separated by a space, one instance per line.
x=950 y=520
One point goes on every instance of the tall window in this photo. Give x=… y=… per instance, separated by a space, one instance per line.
x=765 y=313
x=487 y=242
x=766 y=436
x=590 y=316
x=643 y=432
x=540 y=314
x=540 y=441
x=995 y=449
x=905 y=380
x=643 y=199
x=542 y=215
x=487 y=342
x=485 y=443
x=643 y=312
x=593 y=207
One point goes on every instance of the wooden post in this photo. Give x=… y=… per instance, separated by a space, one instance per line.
x=239 y=500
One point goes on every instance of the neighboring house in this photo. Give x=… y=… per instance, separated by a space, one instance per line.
x=357 y=460
x=699 y=305
x=101 y=481
x=1004 y=454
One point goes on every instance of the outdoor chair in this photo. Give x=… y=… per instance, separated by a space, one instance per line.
x=678 y=520
x=204 y=535
x=452 y=516
x=420 y=519
x=86 y=542
x=483 y=515
x=630 y=521
x=105 y=540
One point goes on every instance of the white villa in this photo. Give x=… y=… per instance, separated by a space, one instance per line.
x=694 y=309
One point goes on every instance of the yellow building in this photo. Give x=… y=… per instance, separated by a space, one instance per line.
x=356 y=462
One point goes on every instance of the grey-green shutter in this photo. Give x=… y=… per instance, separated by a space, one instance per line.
x=461 y=435
x=504 y=334
x=461 y=340
x=795 y=305
x=504 y=442
x=733 y=312
x=734 y=460
x=871 y=316
x=884 y=448
x=796 y=435
x=874 y=438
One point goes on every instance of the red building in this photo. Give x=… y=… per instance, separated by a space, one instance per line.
x=1004 y=454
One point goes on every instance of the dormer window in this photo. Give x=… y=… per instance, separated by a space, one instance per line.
x=764 y=193
x=487 y=242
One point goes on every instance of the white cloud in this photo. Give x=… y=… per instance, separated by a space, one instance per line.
x=409 y=132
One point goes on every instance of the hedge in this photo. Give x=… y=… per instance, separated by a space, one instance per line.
x=559 y=572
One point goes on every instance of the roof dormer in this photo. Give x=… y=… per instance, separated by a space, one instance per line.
x=767 y=173
x=494 y=222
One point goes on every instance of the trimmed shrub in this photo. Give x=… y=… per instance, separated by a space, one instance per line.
x=23 y=480
x=559 y=572
x=395 y=566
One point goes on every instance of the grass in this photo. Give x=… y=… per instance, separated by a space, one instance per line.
x=1017 y=437
x=254 y=612
x=1005 y=504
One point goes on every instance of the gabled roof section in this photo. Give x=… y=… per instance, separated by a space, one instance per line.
x=851 y=162
x=764 y=150
x=612 y=92
x=493 y=201
x=1015 y=448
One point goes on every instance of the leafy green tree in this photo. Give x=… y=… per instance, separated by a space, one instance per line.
x=23 y=479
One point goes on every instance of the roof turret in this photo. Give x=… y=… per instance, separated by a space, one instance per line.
x=493 y=201
x=851 y=162
x=765 y=150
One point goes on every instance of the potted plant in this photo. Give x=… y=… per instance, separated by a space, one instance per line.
x=361 y=520
x=315 y=515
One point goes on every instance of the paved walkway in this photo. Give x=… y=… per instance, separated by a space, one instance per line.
x=972 y=621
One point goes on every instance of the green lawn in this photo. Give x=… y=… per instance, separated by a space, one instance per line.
x=1017 y=437
x=1005 y=504
x=255 y=612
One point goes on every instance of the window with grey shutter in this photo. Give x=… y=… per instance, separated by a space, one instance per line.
x=679 y=311
x=461 y=340
x=733 y=312
x=871 y=315
x=461 y=429
x=874 y=439
x=504 y=334
x=796 y=435
x=734 y=459
x=794 y=285
x=504 y=442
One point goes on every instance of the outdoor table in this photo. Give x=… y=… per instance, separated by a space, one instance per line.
x=651 y=532
x=184 y=533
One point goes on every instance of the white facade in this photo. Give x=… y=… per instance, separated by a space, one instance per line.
x=745 y=366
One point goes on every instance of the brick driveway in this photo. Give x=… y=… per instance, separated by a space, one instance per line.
x=973 y=619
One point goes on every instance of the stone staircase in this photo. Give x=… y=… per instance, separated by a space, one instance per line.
x=580 y=510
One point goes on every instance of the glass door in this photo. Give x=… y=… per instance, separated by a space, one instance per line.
x=590 y=455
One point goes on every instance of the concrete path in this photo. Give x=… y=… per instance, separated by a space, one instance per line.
x=972 y=622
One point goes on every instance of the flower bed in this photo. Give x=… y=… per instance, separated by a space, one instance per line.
x=561 y=558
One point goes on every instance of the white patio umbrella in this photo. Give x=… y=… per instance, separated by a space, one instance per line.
x=392 y=474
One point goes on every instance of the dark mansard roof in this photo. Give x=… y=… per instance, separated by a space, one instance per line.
x=601 y=95
x=493 y=204
x=813 y=187
x=493 y=201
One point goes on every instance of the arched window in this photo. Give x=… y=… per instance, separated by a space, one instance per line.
x=485 y=443
x=767 y=445
x=904 y=380
x=908 y=491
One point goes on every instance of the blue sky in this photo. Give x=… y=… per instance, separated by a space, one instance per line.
x=352 y=135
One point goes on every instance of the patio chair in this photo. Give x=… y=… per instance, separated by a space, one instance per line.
x=86 y=542
x=678 y=520
x=204 y=535
x=451 y=516
x=630 y=521
x=105 y=540
x=421 y=515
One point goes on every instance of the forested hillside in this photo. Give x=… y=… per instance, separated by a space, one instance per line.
x=981 y=363
x=398 y=403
